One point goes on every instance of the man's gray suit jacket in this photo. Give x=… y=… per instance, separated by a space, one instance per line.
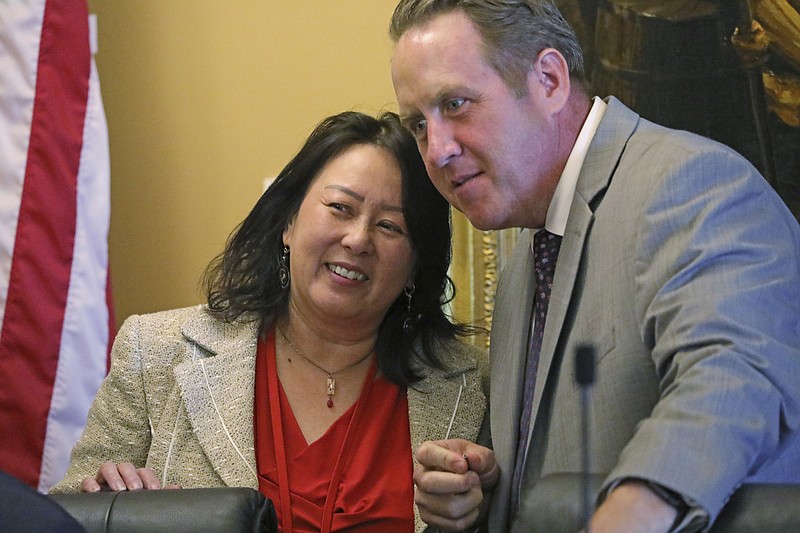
x=679 y=264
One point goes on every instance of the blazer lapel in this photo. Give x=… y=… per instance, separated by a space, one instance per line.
x=430 y=407
x=217 y=388
x=433 y=401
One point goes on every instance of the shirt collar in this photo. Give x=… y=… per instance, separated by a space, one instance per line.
x=558 y=211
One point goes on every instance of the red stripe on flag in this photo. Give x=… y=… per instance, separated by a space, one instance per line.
x=42 y=260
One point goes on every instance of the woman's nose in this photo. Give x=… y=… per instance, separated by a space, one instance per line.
x=358 y=238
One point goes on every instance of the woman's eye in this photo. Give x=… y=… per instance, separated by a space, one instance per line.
x=391 y=226
x=336 y=206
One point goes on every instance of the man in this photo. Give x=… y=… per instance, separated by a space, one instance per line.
x=675 y=259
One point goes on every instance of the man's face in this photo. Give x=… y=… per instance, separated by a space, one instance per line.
x=490 y=153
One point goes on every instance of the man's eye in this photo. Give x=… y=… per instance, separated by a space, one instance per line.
x=419 y=126
x=454 y=104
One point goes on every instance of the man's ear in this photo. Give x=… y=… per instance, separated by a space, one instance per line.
x=550 y=78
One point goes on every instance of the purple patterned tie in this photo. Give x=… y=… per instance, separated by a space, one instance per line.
x=545 y=253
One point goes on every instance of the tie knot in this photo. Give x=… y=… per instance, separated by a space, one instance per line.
x=545 y=251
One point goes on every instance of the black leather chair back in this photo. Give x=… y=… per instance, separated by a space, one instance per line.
x=555 y=505
x=177 y=511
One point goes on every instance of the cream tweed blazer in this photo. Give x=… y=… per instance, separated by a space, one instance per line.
x=179 y=399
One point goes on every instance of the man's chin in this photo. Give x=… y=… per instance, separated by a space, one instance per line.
x=477 y=215
x=482 y=221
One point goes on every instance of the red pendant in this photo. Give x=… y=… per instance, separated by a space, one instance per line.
x=330 y=389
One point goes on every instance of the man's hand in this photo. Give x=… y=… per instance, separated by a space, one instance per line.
x=122 y=476
x=452 y=480
x=633 y=507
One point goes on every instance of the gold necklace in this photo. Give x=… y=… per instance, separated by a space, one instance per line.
x=330 y=387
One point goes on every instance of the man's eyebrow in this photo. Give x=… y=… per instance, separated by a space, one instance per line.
x=443 y=94
x=407 y=119
x=408 y=116
x=360 y=198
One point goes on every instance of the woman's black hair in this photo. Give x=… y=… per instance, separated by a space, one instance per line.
x=243 y=280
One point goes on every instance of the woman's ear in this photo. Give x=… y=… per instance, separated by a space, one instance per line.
x=287 y=233
x=413 y=275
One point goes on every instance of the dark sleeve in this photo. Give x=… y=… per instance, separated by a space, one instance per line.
x=23 y=510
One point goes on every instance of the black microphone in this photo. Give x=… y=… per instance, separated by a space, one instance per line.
x=584 y=375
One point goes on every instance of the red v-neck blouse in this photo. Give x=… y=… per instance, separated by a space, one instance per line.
x=375 y=490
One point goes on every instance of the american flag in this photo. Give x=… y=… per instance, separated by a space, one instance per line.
x=55 y=308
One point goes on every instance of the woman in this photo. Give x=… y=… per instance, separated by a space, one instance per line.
x=322 y=358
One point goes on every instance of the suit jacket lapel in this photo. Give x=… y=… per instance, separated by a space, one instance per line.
x=217 y=388
x=601 y=159
x=508 y=349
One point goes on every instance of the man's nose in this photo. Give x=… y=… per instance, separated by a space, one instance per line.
x=442 y=145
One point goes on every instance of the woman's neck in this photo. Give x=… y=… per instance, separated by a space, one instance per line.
x=332 y=347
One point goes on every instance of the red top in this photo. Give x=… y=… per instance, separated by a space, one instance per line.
x=375 y=491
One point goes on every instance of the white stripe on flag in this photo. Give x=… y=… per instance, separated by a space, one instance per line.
x=20 y=33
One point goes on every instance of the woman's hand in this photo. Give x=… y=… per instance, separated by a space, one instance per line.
x=122 y=476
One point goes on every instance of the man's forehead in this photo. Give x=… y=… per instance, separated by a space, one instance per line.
x=440 y=51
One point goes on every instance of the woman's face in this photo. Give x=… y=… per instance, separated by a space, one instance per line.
x=351 y=255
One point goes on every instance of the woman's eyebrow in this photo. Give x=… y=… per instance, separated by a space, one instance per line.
x=347 y=191
x=360 y=198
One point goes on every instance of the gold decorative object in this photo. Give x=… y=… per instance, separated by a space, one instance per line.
x=776 y=29
x=781 y=21
x=783 y=96
x=478 y=258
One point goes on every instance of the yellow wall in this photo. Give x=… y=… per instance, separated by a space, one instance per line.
x=204 y=99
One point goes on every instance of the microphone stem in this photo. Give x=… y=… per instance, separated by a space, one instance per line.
x=587 y=489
